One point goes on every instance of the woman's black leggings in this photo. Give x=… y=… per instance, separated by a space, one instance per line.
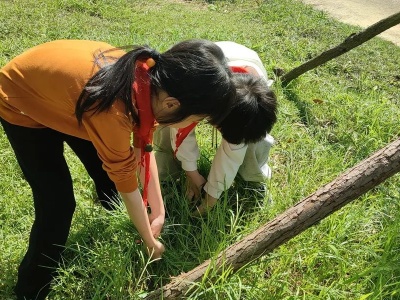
x=40 y=154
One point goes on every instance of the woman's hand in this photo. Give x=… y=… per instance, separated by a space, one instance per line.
x=156 y=224
x=139 y=217
x=156 y=250
x=195 y=184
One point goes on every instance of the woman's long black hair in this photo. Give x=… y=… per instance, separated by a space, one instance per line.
x=193 y=71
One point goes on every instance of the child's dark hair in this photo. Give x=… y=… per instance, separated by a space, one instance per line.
x=254 y=112
x=193 y=71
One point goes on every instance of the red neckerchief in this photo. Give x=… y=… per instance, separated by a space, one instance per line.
x=183 y=132
x=142 y=93
x=238 y=69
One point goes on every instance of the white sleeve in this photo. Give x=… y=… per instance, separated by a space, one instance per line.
x=226 y=163
x=188 y=152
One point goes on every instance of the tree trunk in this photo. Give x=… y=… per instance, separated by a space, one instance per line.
x=351 y=42
x=326 y=200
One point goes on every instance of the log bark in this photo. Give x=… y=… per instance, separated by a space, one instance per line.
x=349 y=43
x=326 y=200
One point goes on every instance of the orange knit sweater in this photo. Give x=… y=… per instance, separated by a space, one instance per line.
x=40 y=88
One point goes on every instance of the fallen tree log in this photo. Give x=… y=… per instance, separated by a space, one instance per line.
x=326 y=200
x=349 y=43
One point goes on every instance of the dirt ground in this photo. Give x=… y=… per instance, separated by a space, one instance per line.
x=362 y=13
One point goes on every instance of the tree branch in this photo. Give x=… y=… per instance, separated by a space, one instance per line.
x=349 y=43
x=326 y=200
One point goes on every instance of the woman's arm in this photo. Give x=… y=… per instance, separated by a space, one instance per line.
x=138 y=215
x=157 y=215
x=111 y=133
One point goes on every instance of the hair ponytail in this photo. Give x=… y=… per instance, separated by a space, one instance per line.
x=113 y=81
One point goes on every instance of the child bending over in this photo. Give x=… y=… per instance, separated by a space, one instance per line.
x=245 y=144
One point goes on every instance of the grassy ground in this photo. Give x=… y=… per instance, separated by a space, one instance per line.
x=329 y=119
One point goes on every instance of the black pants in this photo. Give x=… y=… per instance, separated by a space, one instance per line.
x=40 y=154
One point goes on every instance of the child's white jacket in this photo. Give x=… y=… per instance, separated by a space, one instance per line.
x=229 y=157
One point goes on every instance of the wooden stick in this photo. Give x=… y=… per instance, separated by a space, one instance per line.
x=326 y=200
x=349 y=43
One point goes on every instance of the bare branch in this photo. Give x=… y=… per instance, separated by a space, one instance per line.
x=349 y=43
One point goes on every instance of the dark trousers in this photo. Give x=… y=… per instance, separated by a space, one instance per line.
x=40 y=154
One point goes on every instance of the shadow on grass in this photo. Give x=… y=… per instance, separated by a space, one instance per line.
x=303 y=107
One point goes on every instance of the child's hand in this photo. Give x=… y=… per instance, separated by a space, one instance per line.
x=205 y=206
x=195 y=184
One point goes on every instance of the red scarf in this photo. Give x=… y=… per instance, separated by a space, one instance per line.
x=182 y=134
x=142 y=94
x=238 y=69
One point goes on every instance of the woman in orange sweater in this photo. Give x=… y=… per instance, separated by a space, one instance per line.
x=93 y=97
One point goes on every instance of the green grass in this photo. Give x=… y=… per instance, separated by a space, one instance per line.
x=353 y=254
